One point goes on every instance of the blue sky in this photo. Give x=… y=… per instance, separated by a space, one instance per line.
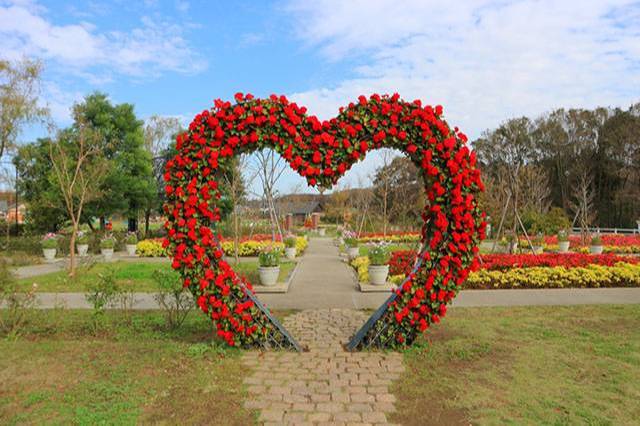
x=485 y=61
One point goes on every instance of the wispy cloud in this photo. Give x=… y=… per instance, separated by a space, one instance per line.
x=155 y=46
x=484 y=60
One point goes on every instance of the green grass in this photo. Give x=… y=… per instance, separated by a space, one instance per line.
x=134 y=371
x=137 y=276
x=534 y=365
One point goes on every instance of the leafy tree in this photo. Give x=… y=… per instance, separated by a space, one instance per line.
x=19 y=90
x=129 y=187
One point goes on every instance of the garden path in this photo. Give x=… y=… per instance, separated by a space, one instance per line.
x=325 y=384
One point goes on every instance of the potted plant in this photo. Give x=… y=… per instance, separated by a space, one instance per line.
x=351 y=244
x=49 y=245
x=107 y=244
x=596 y=245
x=290 y=247
x=82 y=243
x=131 y=241
x=322 y=231
x=563 y=241
x=538 y=244
x=269 y=269
x=378 y=265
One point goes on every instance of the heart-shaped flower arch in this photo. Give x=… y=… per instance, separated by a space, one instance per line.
x=322 y=151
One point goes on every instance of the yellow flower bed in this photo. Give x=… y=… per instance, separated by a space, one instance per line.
x=361 y=265
x=253 y=248
x=620 y=275
x=150 y=248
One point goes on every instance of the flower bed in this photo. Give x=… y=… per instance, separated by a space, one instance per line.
x=616 y=240
x=253 y=247
x=394 y=237
x=247 y=247
x=402 y=261
x=619 y=275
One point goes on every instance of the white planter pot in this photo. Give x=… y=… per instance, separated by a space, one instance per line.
x=353 y=252
x=269 y=275
x=563 y=246
x=378 y=274
x=290 y=252
x=538 y=249
x=131 y=249
x=82 y=249
x=107 y=253
x=322 y=232
x=596 y=249
x=49 y=254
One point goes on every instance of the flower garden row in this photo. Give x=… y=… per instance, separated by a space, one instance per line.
x=501 y=270
x=290 y=246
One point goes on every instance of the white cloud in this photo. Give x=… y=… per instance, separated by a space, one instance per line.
x=485 y=61
x=153 y=47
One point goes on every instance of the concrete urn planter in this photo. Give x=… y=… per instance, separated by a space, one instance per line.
x=563 y=246
x=131 y=249
x=49 y=254
x=82 y=249
x=596 y=249
x=378 y=274
x=107 y=253
x=322 y=232
x=352 y=252
x=290 y=253
x=269 y=275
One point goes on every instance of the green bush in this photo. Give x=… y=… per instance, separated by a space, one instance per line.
x=269 y=257
x=49 y=241
x=17 y=303
x=547 y=223
x=378 y=256
x=108 y=242
x=131 y=238
x=176 y=302
x=102 y=293
x=290 y=242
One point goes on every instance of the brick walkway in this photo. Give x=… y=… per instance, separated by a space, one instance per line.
x=326 y=385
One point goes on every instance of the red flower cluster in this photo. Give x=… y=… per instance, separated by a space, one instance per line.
x=321 y=152
x=607 y=240
x=568 y=260
x=402 y=261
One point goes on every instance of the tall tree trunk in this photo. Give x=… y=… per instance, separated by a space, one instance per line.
x=72 y=251
x=147 y=215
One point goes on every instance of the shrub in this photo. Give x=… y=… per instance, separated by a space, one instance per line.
x=131 y=238
x=151 y=248
x=176 y=302
x=17 y=303
x=290 y=242
x=269 y=257
x=101 y=293
x=49 y=241
x=82 y=238
x=107 y=242
x=378 y=256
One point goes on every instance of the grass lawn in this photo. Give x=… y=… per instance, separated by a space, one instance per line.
x=534 y=365
x=135 y=275
x=58 y=372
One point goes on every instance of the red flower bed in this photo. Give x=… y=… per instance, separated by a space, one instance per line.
x=568 y=260
x=607 y=240
x=402 y=261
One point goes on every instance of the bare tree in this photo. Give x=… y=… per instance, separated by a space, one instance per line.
x=79 y=169
x=270 y=167
x=235 y=183
x=382 y=187
x=158 y=132
x=19 y=91
x=582 y=203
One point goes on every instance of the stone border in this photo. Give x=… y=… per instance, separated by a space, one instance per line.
x=279 y=287
x=370 y=288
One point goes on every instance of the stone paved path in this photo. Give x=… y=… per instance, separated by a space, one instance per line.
x=325 y=385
